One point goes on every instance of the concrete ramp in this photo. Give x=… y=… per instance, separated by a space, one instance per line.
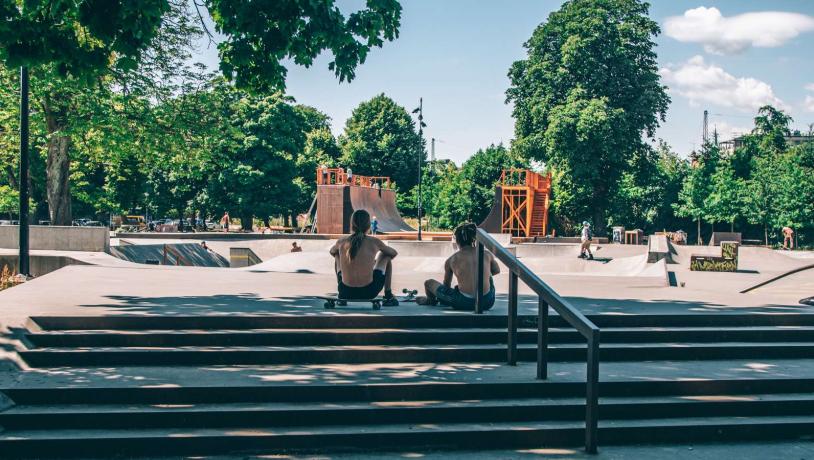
x=188 y=254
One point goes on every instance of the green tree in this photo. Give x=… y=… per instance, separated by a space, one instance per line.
x=481 y=172
x=71 y=46
x=252 y=167
x=320 y=149
x=692 y=199
x=647 y=191
x=583 y=97
x=725 y=202
x=380 y=139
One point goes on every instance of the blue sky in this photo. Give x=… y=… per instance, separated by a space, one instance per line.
x=725 y=56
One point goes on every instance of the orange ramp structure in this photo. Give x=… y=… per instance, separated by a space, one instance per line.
x=339 y=194
x=521 y=204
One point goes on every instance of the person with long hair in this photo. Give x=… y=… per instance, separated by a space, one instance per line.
x=363 y=263
x=463 y=265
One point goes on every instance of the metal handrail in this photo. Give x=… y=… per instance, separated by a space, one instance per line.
x=178 y=257
x=546 y=297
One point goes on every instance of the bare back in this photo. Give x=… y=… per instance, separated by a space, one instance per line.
x=358 y=271
x=464 y=265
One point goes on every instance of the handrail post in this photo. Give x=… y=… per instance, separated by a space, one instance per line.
x=164 y=262
x=479 y=281
x=512 y=317
x=542 y=339
x=592 y=394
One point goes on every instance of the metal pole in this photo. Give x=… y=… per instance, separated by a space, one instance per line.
x=512 y=317
x=542 y=339
x=23 y=256
x=479 y=281
x=592 y=394
x=420 y=151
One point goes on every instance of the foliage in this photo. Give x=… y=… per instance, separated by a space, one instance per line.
x=647 y=191
x=582 y=122
x=261 y=34
x=380 y=139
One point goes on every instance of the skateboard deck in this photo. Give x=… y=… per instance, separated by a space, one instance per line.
x=332 y=301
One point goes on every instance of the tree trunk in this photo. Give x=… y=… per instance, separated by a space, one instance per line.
x=266 y=221
x=246 y=222
x=732 y=227
x=57 y=168
x=285 y=220
x=698 y=240
x=765 y=234
x=294 y=223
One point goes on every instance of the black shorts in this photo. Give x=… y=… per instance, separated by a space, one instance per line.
x=362 y=292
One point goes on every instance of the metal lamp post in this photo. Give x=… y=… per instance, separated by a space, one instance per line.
x=421 y=126
x=23 y=256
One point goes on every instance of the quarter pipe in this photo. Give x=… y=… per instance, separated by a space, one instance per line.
x=336 y=203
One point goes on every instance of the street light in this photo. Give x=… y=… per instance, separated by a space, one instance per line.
x=420 y=111
x=23 y=256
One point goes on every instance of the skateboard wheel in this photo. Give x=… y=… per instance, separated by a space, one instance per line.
x=328 y=305
x=377 y=305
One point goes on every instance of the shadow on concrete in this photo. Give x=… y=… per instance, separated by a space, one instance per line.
x=252 y=304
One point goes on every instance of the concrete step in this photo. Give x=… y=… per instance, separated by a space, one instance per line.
x=186 y=356
x=431 y=390
x=377 y=321
x=270 y=414
x=210 y=441
x=316 y=337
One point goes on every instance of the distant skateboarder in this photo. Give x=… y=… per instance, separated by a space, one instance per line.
x=463 y=265
x=788 y=238
x=295 y=247
x=586 y=238
x=363 y=265
x=374 y=226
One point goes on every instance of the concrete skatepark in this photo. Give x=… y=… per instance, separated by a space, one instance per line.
x=112 y=356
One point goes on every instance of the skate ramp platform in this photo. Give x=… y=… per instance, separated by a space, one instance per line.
x=336 y=203
x=188 y=254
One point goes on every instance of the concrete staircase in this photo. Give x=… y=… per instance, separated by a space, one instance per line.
x=642 y=397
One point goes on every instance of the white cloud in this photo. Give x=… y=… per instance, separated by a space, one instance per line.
x=809 y=103
x=707 y=83
x=736 y=34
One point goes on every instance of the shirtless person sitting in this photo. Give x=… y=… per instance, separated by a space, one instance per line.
x=363 y=263
x=463 y=264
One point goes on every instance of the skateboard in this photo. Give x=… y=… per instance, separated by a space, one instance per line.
x=332 y=301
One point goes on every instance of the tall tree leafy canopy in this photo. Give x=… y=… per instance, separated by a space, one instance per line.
x=583 y=97
x=261 y=34
x=380 y=139
x=93 y=61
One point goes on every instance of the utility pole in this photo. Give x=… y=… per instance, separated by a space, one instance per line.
x=421 y=125
x=705 y=133
x=23 y=256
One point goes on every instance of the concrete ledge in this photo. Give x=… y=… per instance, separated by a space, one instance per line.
x=47 y=237
x=658 y=248
x=39 y=264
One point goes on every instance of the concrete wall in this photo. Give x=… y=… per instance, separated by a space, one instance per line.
x=91 y=239
x=39 y=265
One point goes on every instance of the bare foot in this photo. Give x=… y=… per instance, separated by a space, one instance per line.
x=423 y=300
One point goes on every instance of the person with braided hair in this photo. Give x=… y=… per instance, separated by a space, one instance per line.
x=363 y=263
x=463 y=265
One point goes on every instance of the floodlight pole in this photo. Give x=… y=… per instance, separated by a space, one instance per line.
x=420 y=111
x=24 y=260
